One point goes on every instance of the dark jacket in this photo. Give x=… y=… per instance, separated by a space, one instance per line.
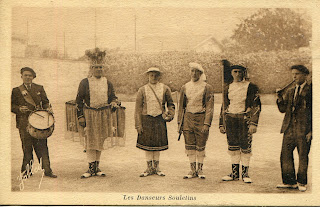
x=17 y=100
x=83 y=95
x=252 y=104
x=302 y=113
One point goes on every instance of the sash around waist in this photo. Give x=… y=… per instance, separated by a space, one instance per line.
x=203 y=112
x=102 y=108
x=240 y=115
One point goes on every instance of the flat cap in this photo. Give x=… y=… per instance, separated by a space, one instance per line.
x=300 y=68
x=153 y=69
x=28 y=69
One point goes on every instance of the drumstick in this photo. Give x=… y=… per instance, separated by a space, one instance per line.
x=48 y=119
x=38 y=114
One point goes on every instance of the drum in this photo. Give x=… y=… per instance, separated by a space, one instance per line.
x=41 y=124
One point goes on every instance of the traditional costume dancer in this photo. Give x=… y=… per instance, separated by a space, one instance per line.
x=239 y=119
x=151 y=118
x=94 y=92
x=196 y=113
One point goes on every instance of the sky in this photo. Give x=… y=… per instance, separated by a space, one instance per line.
x=74 y=28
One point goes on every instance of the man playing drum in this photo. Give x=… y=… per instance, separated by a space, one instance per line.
x=25 y=99
x=94 y=92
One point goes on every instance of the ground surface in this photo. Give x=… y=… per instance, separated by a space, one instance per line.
x=124 y=164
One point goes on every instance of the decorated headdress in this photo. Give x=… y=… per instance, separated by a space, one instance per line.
x=96 y=56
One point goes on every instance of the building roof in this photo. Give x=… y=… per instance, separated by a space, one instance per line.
x=211 y=40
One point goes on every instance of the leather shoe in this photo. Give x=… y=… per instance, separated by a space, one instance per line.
x=51 y=175
x=230 y=177
x=302 y=187
x=294 y=186
x=190 y=175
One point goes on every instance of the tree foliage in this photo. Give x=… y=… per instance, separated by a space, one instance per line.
x=272 y=30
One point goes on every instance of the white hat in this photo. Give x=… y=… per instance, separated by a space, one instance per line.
x=196 y=66
x=153 y=69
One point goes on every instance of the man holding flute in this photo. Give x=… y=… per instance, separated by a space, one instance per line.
x=296 y=103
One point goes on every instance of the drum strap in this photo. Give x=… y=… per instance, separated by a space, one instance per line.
x=27 y=96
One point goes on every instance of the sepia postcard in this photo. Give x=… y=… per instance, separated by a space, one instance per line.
x=140 y=103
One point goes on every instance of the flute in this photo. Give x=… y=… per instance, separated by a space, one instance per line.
x=280 y=91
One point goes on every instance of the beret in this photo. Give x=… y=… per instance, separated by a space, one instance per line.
x=238 y=67
x=196 y=66
x=300 y=68
x=28 y=69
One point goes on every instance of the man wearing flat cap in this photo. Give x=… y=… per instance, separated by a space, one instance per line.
x=196 y=113
x=296 y=103
x=25 y=99
x=239 y=120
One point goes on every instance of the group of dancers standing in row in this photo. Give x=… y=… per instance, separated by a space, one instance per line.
x=154 y=107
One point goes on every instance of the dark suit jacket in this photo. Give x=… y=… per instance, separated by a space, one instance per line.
x=302 y=113
x=83 y=95
x=17 y=100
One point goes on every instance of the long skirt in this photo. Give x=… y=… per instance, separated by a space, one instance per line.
x=104 y=128
x=154 y=136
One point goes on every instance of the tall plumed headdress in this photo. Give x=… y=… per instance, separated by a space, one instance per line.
x=96 y=56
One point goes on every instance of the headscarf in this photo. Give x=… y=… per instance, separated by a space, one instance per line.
x=197 y=66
